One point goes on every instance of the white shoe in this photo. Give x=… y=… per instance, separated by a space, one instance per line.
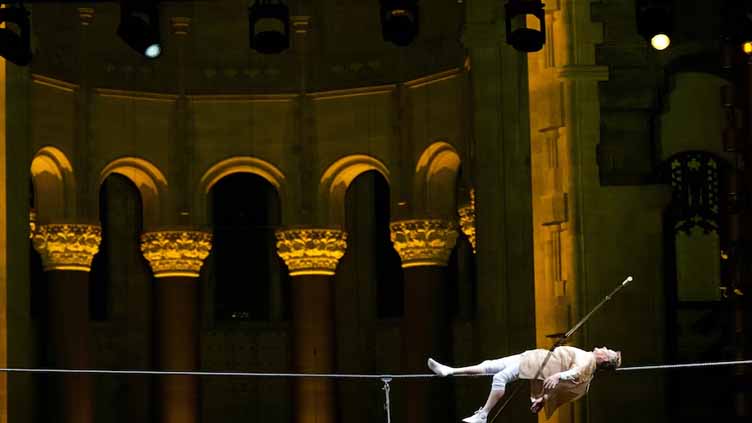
x=439 y=368
x=480 y=416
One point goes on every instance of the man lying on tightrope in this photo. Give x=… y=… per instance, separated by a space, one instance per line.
x=565 y=377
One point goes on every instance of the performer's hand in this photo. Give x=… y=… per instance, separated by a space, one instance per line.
x=551 y=381
x=537 y=404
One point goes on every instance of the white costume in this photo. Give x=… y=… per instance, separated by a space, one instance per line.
x=576 y=368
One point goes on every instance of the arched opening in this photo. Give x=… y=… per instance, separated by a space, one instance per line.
x=120 y=301
x=378 y=265
x=148 y=181
x=239 y=165
x=461 y=270
x=435 y=182
x=54 y=184
x=337 y=179
x=37 y=277
x=119 y=263
x=368 y=292
x=249 y=281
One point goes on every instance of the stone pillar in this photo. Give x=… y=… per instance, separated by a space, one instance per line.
x=500 y=170
x=424 y=246
x=311 y=256
x=175 y=258
x=67 y=251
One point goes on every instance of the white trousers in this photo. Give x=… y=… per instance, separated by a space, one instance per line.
x=504 y=370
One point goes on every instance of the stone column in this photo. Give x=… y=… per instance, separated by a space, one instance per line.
x=175 y=258
x=424 y=245
x=67 y=251
x=311 y=256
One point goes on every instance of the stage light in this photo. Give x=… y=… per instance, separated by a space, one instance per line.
x=399 y=21
x=745 y=34
x=269 y=22
x=15 y=39
x=654 y=23
x=153 y=51
x=747 y=47
x=523 y=38
x=139 y=27
x=660 y=41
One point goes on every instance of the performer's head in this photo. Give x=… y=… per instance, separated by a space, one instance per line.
x=607 y=359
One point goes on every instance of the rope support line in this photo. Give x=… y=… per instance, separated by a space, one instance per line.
x=387 y=403
x=685 y=365
x=237 y=374
x=386 y=378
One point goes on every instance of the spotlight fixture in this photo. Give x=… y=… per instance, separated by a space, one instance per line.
x=139 y=27
x=654 y=23
x=747 y=48
x=745 y=32
x=399 y=21
x=523 y=38
x=15 y=40
x=660 y=41
x=269 y=22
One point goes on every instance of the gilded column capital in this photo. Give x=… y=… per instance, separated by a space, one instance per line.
x=86 y=15
x=300 y=24
x=176 y=252
x=32 y=222
x=467 y=219
x=423 y=242
x=311 y=251
x=67 y=246
x=180 y=25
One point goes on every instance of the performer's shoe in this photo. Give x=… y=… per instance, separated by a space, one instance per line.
x=439 y=368
x=480 y=416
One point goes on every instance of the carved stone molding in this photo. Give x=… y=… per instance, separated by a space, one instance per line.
x=67 y=246
x=176 y=253
x=423 y=242
x=467 y=219
x=311 y=251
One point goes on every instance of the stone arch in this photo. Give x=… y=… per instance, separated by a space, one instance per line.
x=150 y=181
x=435 y=184
x=241 y=164
x=54 y=184
x=337 y=178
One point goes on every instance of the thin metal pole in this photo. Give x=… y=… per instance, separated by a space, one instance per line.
x=387 y=405
x=685 y=365
x=561 y=340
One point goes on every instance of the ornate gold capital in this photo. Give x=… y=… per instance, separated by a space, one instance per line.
x=32 y=222
x=86 y=15
x=300 y=24
x=180 y=25
x=311 y=251
x=423 y=242
x=67 y=246
x=467 y=219
x=176 y=253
